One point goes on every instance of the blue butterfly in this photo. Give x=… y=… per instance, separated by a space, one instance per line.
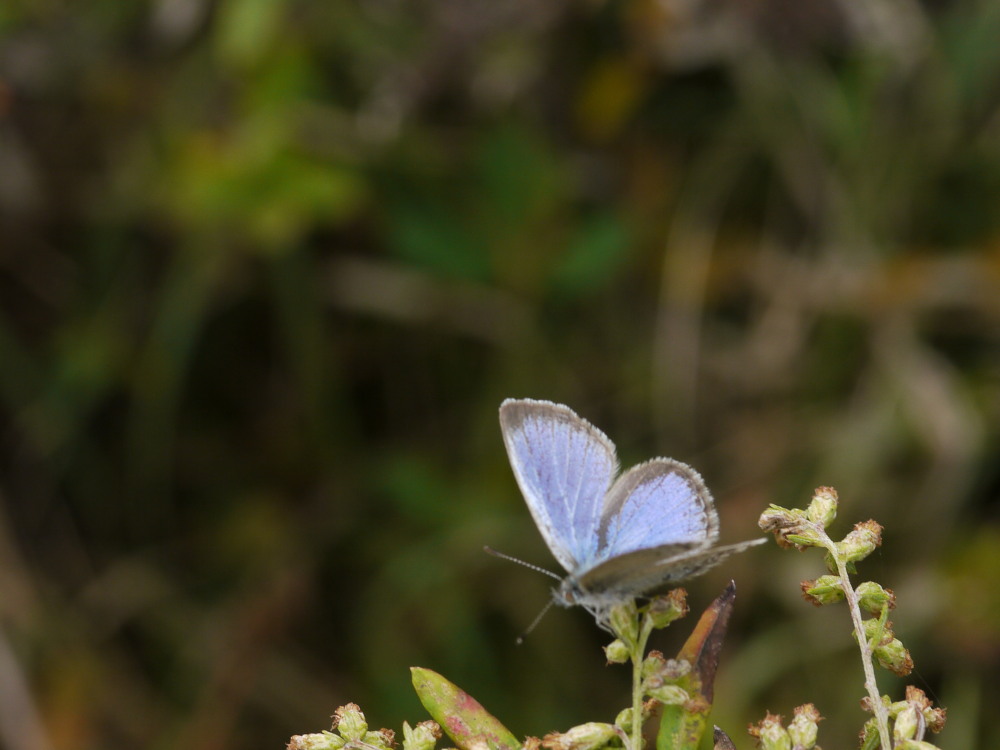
x=617 y=538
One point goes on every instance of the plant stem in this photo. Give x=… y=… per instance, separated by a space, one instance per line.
x=874 y=697
x=645 y=629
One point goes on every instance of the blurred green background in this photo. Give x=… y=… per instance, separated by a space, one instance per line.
x=268 y=267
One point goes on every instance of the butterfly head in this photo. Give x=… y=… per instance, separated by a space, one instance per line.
x=571 y=593
x=568 y=593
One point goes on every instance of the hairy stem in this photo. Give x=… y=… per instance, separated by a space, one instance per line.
x=874 y=697
x=638 y=652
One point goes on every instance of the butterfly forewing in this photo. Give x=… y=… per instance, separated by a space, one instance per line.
x=564 y=467
x=658 y=503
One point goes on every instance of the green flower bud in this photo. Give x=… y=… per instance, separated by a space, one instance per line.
x=319 y=741
x=906 y=724
x=895 y=708
x=876 y=631
x=782 y=522
x=861 y=542
x=350 y=722
x=421 y=737
x=624 y=622
x=894 y=657
x=933 y=717
x=624 y=719
x=870 y=738
x=888 y=650
x=584 y=737
x=823 y=508
x=617 y=652
x=873 y=598
x=824 y=590
x=382 y=738
x=771 y=734
x=674 y=669
x=916 y=745
x=804 y=728
x=663 y=610
x=671 y=695
x=654 y=664
x=775 y=517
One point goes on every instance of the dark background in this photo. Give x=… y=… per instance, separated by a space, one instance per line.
x=268 y=267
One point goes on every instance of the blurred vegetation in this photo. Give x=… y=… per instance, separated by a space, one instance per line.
x=268 y=267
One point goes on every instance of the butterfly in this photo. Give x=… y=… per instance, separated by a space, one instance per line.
x=616 y=537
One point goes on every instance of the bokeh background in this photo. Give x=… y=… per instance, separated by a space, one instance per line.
x=268 y=267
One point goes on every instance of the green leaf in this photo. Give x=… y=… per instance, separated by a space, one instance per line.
x=460 y=715
x=682 y=727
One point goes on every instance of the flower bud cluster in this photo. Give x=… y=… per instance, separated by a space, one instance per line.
x=661 y=678
x=625 y=622
x=915 y=715
x=351 y=728
x=800 y=735
x=349 y=722
x=804 y=728
x=912 y=718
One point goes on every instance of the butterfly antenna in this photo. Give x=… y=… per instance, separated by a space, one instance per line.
x=502 y=556
x=538 y=619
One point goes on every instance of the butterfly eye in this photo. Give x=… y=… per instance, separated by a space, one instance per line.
x=569 y=592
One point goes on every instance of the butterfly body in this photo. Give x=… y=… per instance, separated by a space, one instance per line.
x=616 y=535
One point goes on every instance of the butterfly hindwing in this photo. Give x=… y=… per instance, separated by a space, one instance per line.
x=658 y=503
x=564 y=467
x=641 y=571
